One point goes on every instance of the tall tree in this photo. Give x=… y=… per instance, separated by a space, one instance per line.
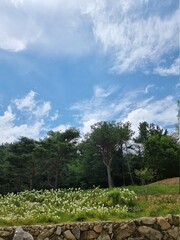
x=157 y=150
x=22 y=164
x=109 y=138
x=57 y=148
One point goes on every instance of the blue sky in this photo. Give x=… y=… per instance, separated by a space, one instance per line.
x=72 y=63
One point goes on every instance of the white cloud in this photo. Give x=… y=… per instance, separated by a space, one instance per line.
x=31 y=105
x=102 y=107
x=56 y=27
x=132 y=33
x=61 y=127
x=149 y=86
x=28 y=102
x=42 y=110
x=126 y=107
x=55 y=116
x=94 y=110
x=172 y=70
x=162 y=112
x=25 y=116
x=136 y=33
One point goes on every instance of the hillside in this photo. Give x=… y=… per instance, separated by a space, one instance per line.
x=169 y=181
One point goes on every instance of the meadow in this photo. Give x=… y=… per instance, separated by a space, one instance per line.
x=72 y=205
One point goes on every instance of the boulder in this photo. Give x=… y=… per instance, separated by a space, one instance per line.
x=20 y=234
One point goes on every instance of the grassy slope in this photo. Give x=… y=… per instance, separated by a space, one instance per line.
x=163 y=198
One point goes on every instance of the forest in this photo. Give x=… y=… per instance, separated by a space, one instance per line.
x=109 y=155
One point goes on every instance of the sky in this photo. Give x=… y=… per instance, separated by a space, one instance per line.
x=73 y=63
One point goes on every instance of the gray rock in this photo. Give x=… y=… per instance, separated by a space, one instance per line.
x=45 y=233
x=76 y=231
x=58 y=230
x=4 y=233
x=20 y=234
x=68 y=235
x=147 y=220
x=150 y=233
x=124 y=231
x=175 y=232
x=56 y=238
x=104 y=236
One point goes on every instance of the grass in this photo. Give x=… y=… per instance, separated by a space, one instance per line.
x=72 y=205
x=156 y=189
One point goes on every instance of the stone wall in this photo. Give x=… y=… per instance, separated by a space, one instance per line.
x=160 y=228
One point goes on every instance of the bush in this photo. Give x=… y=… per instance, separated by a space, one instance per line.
x=122 y=197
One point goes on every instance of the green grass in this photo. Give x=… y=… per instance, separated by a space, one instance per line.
x=72 y=205
x=155 y=189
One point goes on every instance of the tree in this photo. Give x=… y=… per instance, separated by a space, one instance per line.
x=5 y=179
x=162 y=154
x=157 y=150
x=109 y=137
x=56 y=149
x=22 y=163
x=145 y=175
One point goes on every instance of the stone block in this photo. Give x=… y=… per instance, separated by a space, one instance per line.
x=150 y=233
x=124 y=231
x=163 y=223
x=68 y=235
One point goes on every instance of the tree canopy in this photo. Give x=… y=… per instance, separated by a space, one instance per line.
x=107 y=156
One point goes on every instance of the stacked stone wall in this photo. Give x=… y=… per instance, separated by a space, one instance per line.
x=145 y=228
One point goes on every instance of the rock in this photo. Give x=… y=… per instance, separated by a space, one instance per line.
x=84 y=227
x=68 y=235
x=150 y=233
x=76 y=231
x=98 y=228
x=104 y=236
x=110 y=228
x=175 y=232
x=147 y=220
x=4 y=233
x=163 y=223
x=55 y=237
x=170 y=218
x=58 y=230
x=136 y=238
x=176 y=220
x=45 y=233
x=124 y=231
x=20 y=234
x=86 y=235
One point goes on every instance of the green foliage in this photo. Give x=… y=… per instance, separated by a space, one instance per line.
x=55 y=206
x=59 y=205
x=122 y=197
x=105 y=157
x=109 y=138
x=145 y=175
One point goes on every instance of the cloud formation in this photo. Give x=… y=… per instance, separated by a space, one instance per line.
x=127 y=107
x=134 y=34
x=56 y=27
x=25 y=116
x=172 y=70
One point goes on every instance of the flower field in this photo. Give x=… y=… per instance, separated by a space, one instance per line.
x=53 y=206
x=72 y=205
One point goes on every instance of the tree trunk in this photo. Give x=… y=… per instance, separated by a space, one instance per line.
x=110 y=183
x=56 y=174
x=30 y=183
x=130 y=173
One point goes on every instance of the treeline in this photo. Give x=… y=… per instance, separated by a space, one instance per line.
x=109 y=155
